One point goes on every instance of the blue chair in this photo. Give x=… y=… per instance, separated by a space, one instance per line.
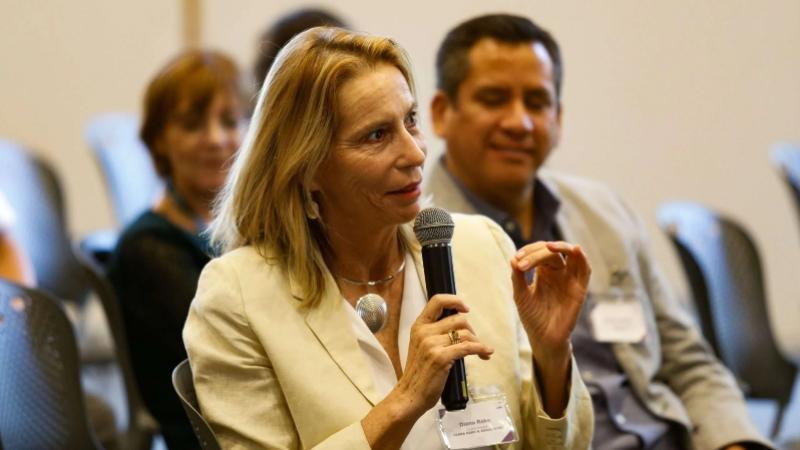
x=141 y=428
x=125 y=164
x=724 y=272
x=34 y=191
x=41 y=399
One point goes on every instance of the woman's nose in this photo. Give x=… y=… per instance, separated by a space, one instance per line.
x=216 y=133
x=414 y=149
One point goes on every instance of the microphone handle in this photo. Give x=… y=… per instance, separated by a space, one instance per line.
x=437 y=262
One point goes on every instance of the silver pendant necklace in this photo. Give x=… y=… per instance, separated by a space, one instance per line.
x=371 y=307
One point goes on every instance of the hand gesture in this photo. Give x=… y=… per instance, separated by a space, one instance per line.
x=549 y=306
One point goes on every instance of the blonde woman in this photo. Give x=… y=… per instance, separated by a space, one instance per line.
x=314 y=216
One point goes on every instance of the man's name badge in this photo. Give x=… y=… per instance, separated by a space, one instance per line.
x=485 y=422
x=618 y=320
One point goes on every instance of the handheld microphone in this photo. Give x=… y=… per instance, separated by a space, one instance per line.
x=434 y=230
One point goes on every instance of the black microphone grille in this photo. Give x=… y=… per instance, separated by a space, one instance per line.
x=433 y=226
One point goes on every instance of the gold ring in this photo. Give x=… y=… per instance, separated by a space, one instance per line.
x=454 y=339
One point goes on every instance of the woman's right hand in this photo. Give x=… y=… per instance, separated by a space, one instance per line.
x=430 y=356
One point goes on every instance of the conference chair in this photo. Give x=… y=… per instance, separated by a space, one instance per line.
x=724 y=272
x=787 y=157
x=124 y=162
x=41 y=400
x=141 y=427
x=184 y=387
x=33 y=189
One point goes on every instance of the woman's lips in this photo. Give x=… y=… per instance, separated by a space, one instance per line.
x=409 y=190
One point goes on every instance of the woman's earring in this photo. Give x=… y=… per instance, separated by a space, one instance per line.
x=312 y=207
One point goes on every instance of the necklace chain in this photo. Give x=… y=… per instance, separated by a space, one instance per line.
x=374 y=282
x=184 y=207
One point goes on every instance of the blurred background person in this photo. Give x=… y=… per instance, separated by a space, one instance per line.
x=314 y=217
x=285 y=28
x=655 y=384
x=14 y=265
x=194 y=112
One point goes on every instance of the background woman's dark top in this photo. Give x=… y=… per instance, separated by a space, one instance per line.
x=154 y=271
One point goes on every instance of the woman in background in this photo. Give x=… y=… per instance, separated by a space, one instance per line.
x=194 y=111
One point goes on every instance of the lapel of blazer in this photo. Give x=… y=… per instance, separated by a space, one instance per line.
x=575 y=230
x=444 y=191
x=330 y=324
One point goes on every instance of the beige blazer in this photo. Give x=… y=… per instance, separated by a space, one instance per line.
x=269 y=374
x=673 y=371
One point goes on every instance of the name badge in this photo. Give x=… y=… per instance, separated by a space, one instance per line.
x=485 y=422
x=617 y=316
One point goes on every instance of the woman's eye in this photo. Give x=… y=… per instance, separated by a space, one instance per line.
x=190 y=123
x=230 y=122
x=376 y=135
x=411 y=119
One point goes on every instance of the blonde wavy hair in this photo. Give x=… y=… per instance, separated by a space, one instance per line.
x=265 y=203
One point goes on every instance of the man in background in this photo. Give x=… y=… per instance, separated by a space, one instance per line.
x=654 y=381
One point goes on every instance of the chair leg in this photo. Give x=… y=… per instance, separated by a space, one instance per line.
x=776 y=424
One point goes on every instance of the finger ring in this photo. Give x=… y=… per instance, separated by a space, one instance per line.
x=454 y=339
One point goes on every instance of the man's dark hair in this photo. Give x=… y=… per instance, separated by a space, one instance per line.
x=283 y=30
x=452 y=59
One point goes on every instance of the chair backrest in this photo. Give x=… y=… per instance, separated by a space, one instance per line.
x=141 y=427
x=41 y=400
x=34 y=192
x=787 y=157
x=125 y=163
x=184 y=387
x=725 y=273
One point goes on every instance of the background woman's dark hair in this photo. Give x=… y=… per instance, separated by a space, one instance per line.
x=283 y=30
x=195 y=76
x=452 y=58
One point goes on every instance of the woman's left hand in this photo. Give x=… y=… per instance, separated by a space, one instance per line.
x=550 y=305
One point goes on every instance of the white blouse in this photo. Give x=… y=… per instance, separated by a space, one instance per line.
x=424 y=435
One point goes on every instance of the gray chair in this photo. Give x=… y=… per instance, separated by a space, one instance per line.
x=141 y=427
x=125 y=164
x=725 y=275
x=41 y=400
x=34 y=192
x=787 y=157
x=184 y=387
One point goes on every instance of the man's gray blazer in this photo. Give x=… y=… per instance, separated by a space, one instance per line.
x=673 y=370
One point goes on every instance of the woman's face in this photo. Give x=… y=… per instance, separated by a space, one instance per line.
x=373 y=174
x=199 y=144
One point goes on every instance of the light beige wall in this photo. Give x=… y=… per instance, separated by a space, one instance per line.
x=663 y=100
x=65 y=61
